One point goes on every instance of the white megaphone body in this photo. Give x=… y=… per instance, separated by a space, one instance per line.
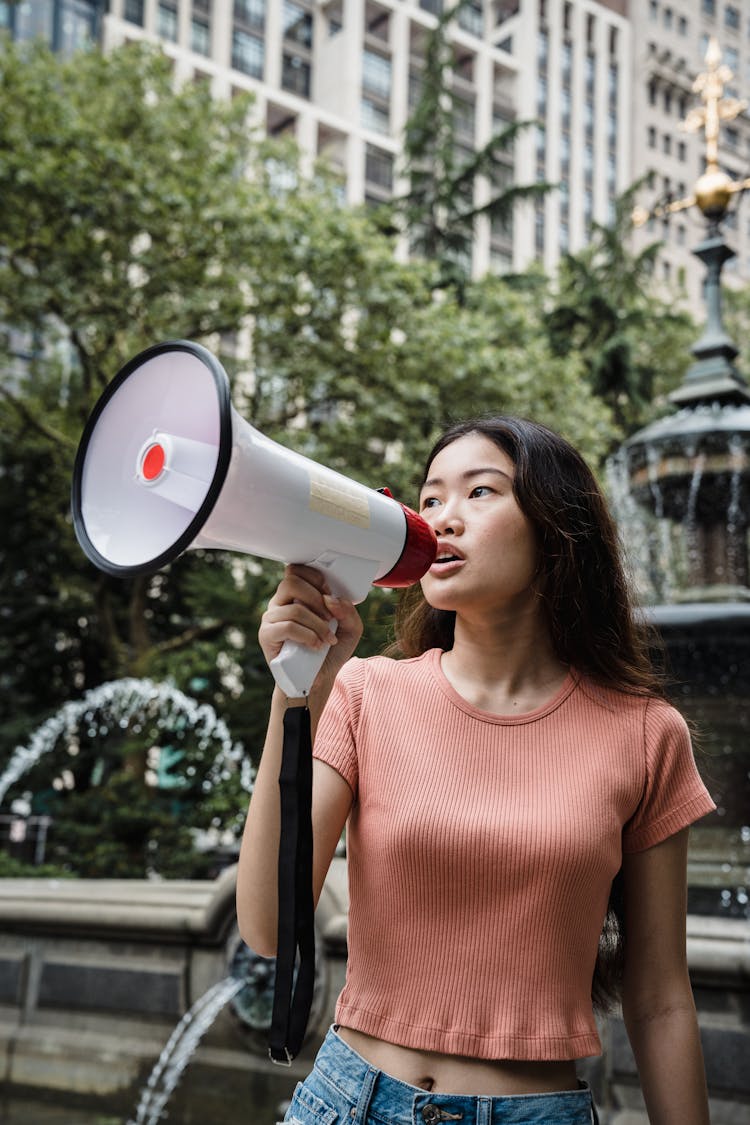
x=166 y=463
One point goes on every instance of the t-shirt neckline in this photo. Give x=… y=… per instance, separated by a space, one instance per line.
x=446 y=687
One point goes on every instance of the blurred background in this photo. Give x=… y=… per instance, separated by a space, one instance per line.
x=381 y=217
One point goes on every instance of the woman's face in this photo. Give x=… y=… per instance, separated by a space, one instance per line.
x=487 y=551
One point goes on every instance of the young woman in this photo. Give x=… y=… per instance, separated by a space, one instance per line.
x=494 y=782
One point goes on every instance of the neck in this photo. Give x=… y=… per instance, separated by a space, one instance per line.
x=504 y=663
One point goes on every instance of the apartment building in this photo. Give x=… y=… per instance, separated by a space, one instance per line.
x=607 y=82
x=669 y=49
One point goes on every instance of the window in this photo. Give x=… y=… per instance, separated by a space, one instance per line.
x=374 y=116
x=567 y=62
x=295 y=75
x=668 y=17
x=541 y=96
x=565 y=108
x=681 y=151
x=133 y=12
x=470 y=18
x=708 y=7
x=376 y=75
x=250 y=12
x=651 y=137
x=590 y=30
x=539 y=231
x=166 y=23
x=463 y=117
x=732 y=17
x=200 y=36
x=378 y=167
x=612 y=128
x=682 y=25
x=666 y=144
x=298 y=24
x=247 y=53
x=653 y=10
x=613 y=82
x=542 y=53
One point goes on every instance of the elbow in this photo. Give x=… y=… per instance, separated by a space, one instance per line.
x=257 y=937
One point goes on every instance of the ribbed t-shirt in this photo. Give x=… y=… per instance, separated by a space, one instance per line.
x=481 y=849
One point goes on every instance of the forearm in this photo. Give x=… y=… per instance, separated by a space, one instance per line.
x=257 y=874
x=669 y=1057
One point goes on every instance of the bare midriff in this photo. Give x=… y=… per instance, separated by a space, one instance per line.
x=455 y=1074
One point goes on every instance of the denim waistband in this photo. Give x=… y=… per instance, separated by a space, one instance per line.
x=371 y=1095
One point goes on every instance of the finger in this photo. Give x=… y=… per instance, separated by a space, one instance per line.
x=275 y=635
x=298 y=616
x=309 y=574
x=295 y=587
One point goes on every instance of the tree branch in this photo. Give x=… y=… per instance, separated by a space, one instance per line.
x=36 y=423
x=196 y=633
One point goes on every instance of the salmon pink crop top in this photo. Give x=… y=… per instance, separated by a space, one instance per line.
x=481 y=849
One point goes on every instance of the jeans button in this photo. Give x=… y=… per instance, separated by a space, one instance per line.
x=431 y=1114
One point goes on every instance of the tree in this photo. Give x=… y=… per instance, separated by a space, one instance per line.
x=439 y=210
x=134 y=212
x=605 y=308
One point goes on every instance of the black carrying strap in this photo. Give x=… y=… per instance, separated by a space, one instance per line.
x=296 y=929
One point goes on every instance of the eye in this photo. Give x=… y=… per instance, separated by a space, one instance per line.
x=481 y=490
x=429 y=502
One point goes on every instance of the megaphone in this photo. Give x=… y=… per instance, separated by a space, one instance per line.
x=165 y=463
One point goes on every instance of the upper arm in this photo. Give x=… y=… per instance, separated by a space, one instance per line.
x=332 y=800
x=655 y=894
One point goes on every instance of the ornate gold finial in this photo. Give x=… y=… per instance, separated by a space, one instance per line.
x=713 y=189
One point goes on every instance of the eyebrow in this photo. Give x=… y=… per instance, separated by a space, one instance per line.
x=469 y=475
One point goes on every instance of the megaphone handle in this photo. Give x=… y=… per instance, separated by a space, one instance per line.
x=296 y=666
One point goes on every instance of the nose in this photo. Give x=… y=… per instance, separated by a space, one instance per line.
x=446 y=521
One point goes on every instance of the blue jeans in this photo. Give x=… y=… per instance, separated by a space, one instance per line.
x=343 y=1089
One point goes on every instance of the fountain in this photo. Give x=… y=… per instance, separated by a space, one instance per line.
x=680 y=491
x=147 y=708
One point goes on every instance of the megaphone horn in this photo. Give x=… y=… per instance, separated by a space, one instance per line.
x=165 y=463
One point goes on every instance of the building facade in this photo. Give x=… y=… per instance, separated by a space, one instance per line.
x=608 y=84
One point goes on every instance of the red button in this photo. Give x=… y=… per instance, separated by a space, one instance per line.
x=153 y=461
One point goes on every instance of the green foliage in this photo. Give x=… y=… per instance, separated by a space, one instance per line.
x=635 y=344
x=441 y=208
x=11 y=868
x=736 y=308
x=135 y=213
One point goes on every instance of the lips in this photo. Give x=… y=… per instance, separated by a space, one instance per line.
x=447 y=561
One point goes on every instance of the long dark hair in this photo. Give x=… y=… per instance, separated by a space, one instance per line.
x=585 y=592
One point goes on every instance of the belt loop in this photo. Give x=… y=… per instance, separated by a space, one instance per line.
x=365 y=1096
x=484 y=1111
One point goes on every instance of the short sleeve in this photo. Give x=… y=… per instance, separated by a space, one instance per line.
x=336 y=736
x=674 y=795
